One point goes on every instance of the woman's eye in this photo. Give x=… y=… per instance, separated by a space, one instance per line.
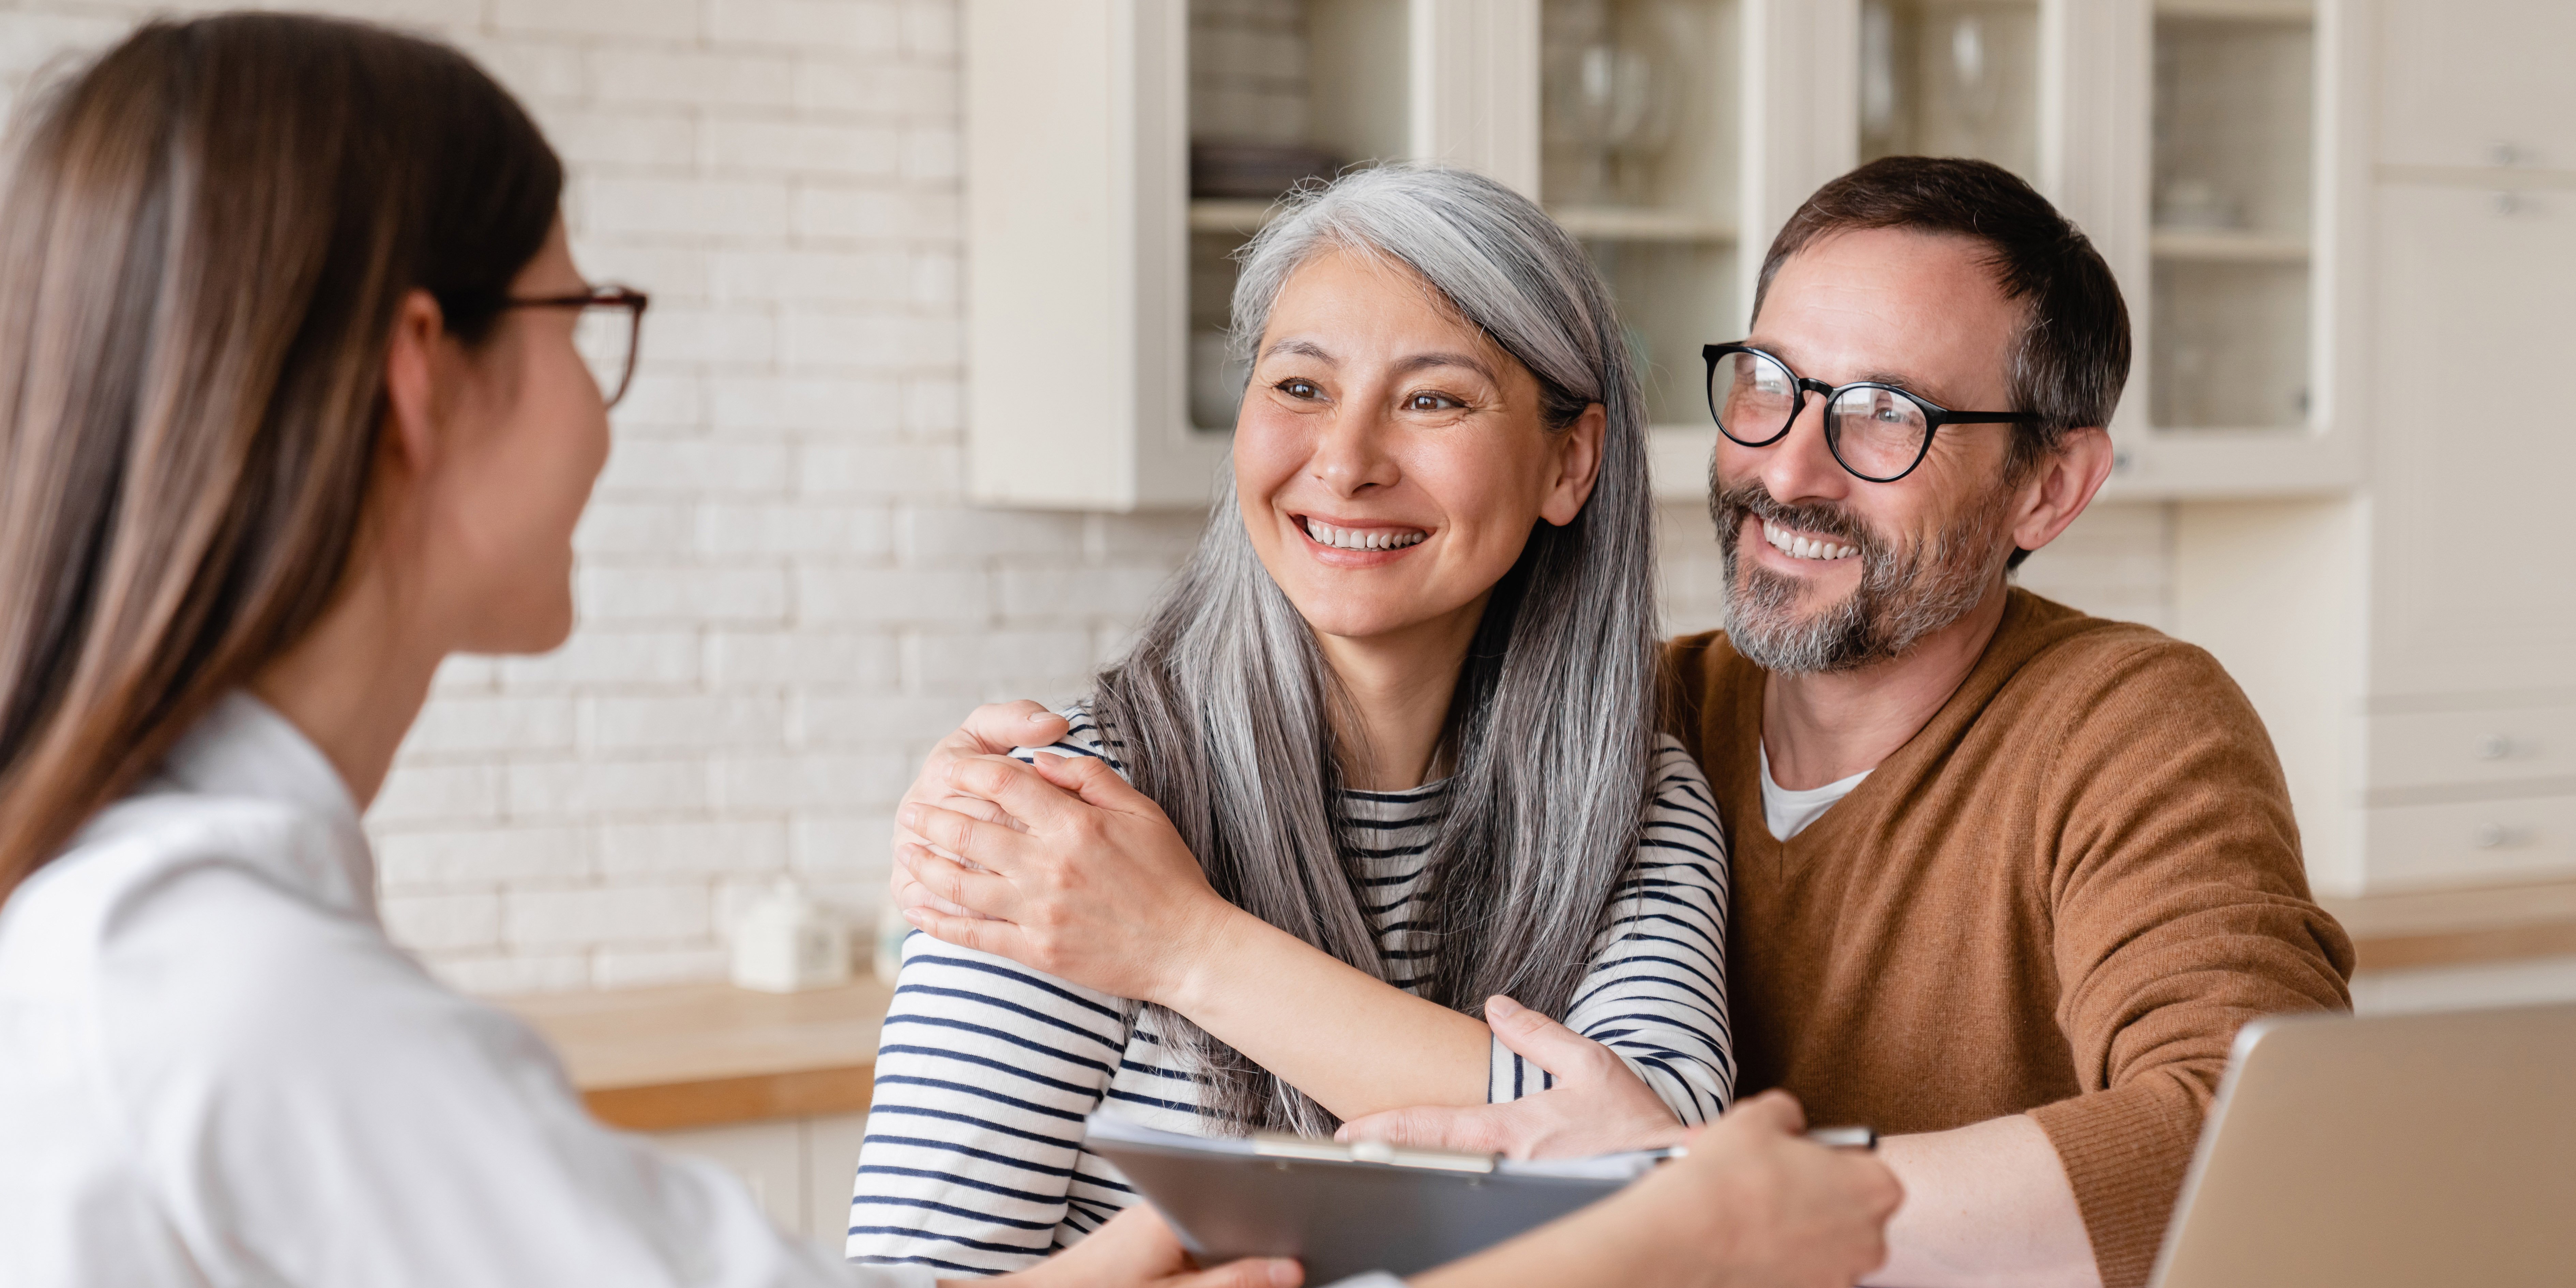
x=1431 y=402
x=1300 y=389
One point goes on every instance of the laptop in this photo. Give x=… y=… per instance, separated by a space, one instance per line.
x=2385 y=1151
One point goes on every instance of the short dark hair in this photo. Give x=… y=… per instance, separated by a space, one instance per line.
x=2072 y=356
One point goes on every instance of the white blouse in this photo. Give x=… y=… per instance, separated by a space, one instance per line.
x=215 y=1069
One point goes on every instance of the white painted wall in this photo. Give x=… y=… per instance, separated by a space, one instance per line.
x=784 y=598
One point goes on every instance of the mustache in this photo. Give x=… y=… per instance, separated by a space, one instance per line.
x=1730 y=504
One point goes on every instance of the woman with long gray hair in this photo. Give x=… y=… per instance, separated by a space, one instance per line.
x=1392 y=755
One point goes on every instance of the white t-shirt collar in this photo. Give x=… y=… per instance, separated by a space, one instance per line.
x=1788 y=813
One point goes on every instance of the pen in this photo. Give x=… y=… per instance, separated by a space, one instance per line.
x=1829 y=1137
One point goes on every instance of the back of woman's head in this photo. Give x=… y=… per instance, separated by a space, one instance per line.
x=204 y=238
x=1221 y=705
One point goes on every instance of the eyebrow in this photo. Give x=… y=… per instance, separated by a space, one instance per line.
x=1426 y=361
x=1303 y=349
x=1402 y=366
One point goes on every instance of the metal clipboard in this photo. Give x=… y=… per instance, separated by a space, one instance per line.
x=1346 y=1209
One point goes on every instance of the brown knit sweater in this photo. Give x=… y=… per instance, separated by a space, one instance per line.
x=2061 y=897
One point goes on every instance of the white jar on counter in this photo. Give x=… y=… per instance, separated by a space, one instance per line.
x=787 y=943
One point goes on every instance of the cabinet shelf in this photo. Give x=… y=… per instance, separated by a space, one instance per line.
x=1242 y=217
x=2239 y=10
x=2226 y=246
x=1622 y=223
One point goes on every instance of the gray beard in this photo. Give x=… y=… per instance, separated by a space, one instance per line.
x=1905 y=592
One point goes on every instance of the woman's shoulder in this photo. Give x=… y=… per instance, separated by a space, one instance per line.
x=1683 y=813
x=1083 y=737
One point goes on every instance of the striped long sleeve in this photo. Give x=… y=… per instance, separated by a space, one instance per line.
x=973 y=1161
x=1656 y=993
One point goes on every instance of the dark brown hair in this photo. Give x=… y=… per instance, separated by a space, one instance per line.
x=204 y=239
x=2072 y=356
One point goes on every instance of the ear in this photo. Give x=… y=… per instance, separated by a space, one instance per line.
x=413 y=384
x=2062 y=486
x=1578 y=466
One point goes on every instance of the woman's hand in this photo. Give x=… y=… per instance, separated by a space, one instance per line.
x=1092 y=885
x=1752 y=1206
x=1136 y=1250
x=990 y=730
x=1598 y=1105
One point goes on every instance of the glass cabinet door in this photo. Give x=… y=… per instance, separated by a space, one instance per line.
x=1951 y=78
x=1638 y=148
x=2235 y=89
x=1280 y=91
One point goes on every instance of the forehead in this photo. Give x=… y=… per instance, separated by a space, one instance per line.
x=1893 y=301
x=1363 y=297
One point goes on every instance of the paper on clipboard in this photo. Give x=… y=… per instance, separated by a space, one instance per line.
x=1346 y=1209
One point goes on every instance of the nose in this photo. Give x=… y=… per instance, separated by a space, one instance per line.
x=1801 y=465
x=1350 y=454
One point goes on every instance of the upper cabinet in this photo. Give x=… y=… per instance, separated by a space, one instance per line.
x=1120 y=152
x=1957 y=78
x=2522 y=114
x=2249 y=186
x=1639 y=112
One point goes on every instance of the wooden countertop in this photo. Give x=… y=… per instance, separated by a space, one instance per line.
x=2460 y=927
x=703 y=1055
x=700 y=1055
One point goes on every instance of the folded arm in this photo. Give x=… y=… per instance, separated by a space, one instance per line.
x=1100 y=890
x=1075 y=873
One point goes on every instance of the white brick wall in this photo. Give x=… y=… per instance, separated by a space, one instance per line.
x=784 y=599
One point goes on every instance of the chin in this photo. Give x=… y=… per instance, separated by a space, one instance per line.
x=528 y=630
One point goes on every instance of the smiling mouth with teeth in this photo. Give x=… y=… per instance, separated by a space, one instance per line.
x=1326 y=534
x=1798 y=547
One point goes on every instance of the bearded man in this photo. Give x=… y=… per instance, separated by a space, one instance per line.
x=2007 y=878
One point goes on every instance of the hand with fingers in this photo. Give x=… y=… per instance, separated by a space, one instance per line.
x=1137 y=1250
x=1751 y=1206
x=1087 y=881
x=991 y=730
x=1598 y=1105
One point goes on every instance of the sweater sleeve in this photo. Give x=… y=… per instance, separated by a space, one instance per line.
x=2182 y=911
x=1656 y=992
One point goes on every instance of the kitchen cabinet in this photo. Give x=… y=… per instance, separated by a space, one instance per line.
x=1119 y=152
x=2413 y=645
x=2478 y=84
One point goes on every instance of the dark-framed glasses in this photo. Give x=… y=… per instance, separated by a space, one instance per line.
x=1877 y=431
x=610 y=324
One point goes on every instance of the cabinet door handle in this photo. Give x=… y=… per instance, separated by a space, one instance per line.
x=2494 y=746
x=2490 y=836
x=2505 y=153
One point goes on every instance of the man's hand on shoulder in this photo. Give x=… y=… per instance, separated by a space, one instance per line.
x=991 y=730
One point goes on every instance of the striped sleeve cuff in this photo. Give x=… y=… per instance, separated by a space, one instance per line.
x=1509 y=1077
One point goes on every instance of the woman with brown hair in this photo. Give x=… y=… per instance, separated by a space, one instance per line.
x=300 y=392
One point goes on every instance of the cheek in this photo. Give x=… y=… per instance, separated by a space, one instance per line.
x=1267 y=455
x=1491 y=501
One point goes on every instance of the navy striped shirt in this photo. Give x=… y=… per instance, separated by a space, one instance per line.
x=973 y=1161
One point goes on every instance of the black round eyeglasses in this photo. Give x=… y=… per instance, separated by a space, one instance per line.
x=1877 y=431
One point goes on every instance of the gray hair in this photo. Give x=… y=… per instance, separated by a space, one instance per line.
x=1219 y=710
